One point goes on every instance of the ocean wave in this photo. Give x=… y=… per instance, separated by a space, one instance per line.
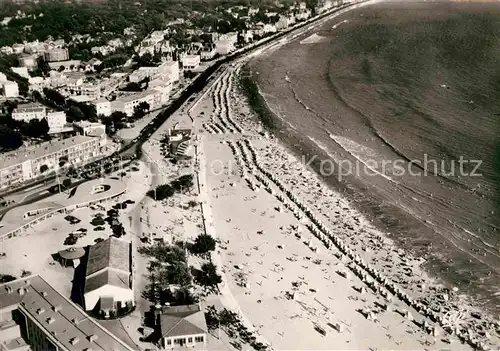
x=335 y=26
x=367 y=122
x=313 y=39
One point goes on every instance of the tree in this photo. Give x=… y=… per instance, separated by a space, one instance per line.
x=54 y=97
x=118 y=118
x=44 y=168
x=161 y=192
x=207 y=276
x=74 y=113
x=132 y=86
x=9 y=139
x=203 y=244
x=34 y=128
x=144 y=106
x=67 y=183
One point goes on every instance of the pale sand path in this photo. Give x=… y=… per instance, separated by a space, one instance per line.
x=227 y=298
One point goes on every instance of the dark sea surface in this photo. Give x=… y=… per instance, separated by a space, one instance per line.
x=409 y=81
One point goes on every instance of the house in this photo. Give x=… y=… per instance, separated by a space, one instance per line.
x=269 y=28
x=18 y=48
x=182 y=326
x=208 y=53
x=108 y=280
x=303 y=14
x=190 y=62
x=91 y=65
x=9 y=89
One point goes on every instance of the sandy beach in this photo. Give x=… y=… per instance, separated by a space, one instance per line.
x=296 y=256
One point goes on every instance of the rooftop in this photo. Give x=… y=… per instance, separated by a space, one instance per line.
x=135 y=96
x=110 y=253
x=182 y=320
x=12 y=158
x=65 y=322
x=31 y=107
x=107 y=277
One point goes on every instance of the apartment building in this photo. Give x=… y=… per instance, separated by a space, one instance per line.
x=34 y=316
x=56 y=54
x=127 y=104
x=170 y=68
x=103 y=107
x=27 y=112
x=56 y=120
x=28 y=61
x=30 y=163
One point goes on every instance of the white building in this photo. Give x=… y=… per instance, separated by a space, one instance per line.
x=208 y=53
x=172 y=69
x=67 y=66
x=183 y=326
x=103 y=107
x=93 y=129
x=10 y=89
x=56 y=120
x=56 y=54
x=22 y=71
x=127 y=104
x=303 y=14
x=168 y=68
x=224 y=47
x=28 y=61
x=30 y=163
x=139 y=75
x=269 y=28
x=27 y=112
x=190 y=62
x=7 y=50
x=18 y=48
x=108 y=281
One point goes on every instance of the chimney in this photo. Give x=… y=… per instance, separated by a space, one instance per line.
x=20 y=291
x=40 y=311
x=56 y=308
x=92 y=337
x=74 y=341
x=9 y=289
x=44 y=293
x=50 y=320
